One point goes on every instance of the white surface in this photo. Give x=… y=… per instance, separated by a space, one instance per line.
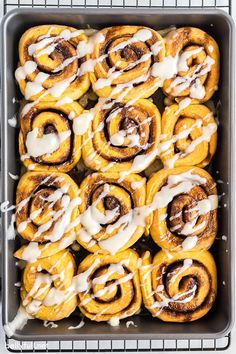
x=232 y=348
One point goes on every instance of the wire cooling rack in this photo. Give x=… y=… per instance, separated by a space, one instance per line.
x=83 y=346
x=222 y=4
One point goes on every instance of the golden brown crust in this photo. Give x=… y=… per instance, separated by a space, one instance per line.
x=178 y=287
x=64 y=49
x=123 y=59
x=106 y=194
x=167 y=223
x=120 y=295
x=48 y=117
x=203 y=47
x=59 y=270
x=137 y=124
x=36 y=207
x=114 y=207
x=189 y=136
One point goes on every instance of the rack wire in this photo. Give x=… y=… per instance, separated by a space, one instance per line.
x=103 y=346
x=119 y=346
x=221 y=4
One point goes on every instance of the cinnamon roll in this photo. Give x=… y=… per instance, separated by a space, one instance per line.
x=124 y=60
x=47 y=140
x=180 y=287
x=108 y=286
x=183 y=205
x=122 y=137
x=46 y=289
x=51 y=61
x=197 y=65
x=189 y=136
x=46 y=213
x=109 y=212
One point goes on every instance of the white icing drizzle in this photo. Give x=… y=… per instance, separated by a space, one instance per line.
x=92 y=219
x=46 y=144
x=138 y=184
x=46 y=45
x=183 y=104
x=14 y=177
x=84 y=48
x=210 y=48
x=189 y=243
x=113 y=268
x=130 y=323
x=182 y=62
x=48 y=34
x=45 y=42
x=186 y=264
x=118 y=138
x=18 y=284
x=63 y=222
x=34 y=87
x=5 y=206
x=165 y=69
x=64 y=100
x=31 y=252
x=12 y=122
x=17 y=323
x=138 y=162
x=197 y=90
x=50 y=324
x=22 y=71
x=114 y=321
x=80 y=325
x=82 y=122
x=58 y=88
x=62 y=217
x=81 y=280
x=156 y=47
x=80 y=283
x=206 y=130
x=165 y=300
x=128 y=223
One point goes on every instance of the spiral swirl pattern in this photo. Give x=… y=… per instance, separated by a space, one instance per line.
x=42 y=279
x=189 y=136
x=46 y=206
x=49 y=63
x=122 y=137
x=107 y=212
x=124 y=60
x=47 y=120
x=198 y=65
x=184 y=202
x=112 y=289
x=178 y=288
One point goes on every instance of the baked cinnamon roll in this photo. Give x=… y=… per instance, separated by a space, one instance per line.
x=109 y=212
x=197 y=65
x=178 y=287
x=124 y=60
x=46 y=290
x=122 y=137
x=108 y=286
x=46 y=213
x=47 y=139
x=189 y=136
x=51 y=61
x=183 y=205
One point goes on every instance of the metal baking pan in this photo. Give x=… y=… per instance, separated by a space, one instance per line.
x=217 y=23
